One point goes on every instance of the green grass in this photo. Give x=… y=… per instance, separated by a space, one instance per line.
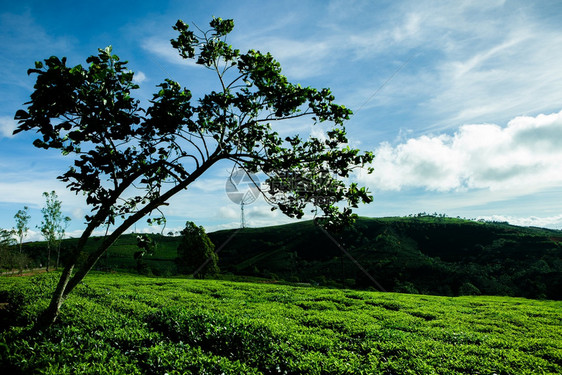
x=138 y=325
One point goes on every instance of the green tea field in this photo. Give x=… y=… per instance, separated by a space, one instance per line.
x=123 y=324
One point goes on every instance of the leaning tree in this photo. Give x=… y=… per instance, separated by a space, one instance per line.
x=129 y=161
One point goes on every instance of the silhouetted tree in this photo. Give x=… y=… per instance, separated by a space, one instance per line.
x=53 y=225
x=90 y=114
x=60 y=231
x=6 y=240
x=147 y=246
x=196 y=252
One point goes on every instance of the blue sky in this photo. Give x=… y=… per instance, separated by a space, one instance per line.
x=460 y=101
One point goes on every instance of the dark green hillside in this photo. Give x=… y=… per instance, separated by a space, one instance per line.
x=120 y=255
x=428 y=254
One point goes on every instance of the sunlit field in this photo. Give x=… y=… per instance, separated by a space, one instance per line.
x=116 y=323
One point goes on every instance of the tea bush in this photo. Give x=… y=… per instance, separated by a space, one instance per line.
x=127 y=324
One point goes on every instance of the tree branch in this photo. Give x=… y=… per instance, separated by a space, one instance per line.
x=161 y=200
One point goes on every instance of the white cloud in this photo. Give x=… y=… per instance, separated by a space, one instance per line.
x=228 y=213
x=524 y=156
x=517 y=74
x=256 y=215
x=29 y=191
x=215 y=184
x=472 y=61
x=262 y=212
x=319 y=133
x=299 y=58
x=33 y=235
x=7 y=126
x=162 y=48
x=139 y=77
x=532 y=221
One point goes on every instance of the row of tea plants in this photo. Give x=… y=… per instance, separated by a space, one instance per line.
x=124 y=324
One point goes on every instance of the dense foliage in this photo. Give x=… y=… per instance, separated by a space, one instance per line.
x=139 y=325
x=10 y=258
x=196 y=252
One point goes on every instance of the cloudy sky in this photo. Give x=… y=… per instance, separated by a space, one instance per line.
x=460 y=101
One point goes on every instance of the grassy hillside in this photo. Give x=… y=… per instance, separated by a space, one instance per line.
x=138 y=325
x=428 y=255
x=120 y=255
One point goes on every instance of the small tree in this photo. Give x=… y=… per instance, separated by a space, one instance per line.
x=52 y=224
x=89 y=113
x=22 y=221
x=147 y=246
x=6 y=238
x=196 y=252
x=6 y=243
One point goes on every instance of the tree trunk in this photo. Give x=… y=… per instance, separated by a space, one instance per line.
x=20 y=259
x=48 y=256
x=48 y=317
x=67 y=282
x=58 y=256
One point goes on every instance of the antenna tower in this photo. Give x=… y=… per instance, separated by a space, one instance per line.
x=242 y=218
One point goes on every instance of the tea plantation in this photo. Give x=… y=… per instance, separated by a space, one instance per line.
x=123 y=324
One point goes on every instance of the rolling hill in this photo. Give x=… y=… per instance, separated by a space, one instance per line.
x=424 y=254
x=429 y=255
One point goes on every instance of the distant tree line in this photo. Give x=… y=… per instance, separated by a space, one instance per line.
x=13 y=255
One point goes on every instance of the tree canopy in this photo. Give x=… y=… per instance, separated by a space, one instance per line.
x=196 y=252
x=128 y=160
